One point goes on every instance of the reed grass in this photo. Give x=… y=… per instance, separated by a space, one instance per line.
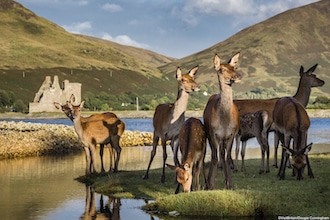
x=253 y=194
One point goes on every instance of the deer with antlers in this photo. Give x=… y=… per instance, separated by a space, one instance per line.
x=169 y=117
x=192 y=142
x=307 y=81
x=292 y=122
x=110 y=129
x=221 y=119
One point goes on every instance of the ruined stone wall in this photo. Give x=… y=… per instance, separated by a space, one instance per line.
x=52 y=92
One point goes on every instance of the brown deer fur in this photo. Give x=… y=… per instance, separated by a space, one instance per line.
x=221 y=120
x=101 y=129
x=169 y=118
x=192 y=142
x=291 y=121
x=307 y=81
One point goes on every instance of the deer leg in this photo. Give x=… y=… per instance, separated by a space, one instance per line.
x=225 y=165
x=197 y=173
x=276 y=143
x=310 y=172
x=243 y=155
x=92 y=150
x=88 y=160
x=162 y=180
x=115 y=143
x=267 y=155
x=281 y=173
x=177 y=188
x=152 y=155
x=262 y=148
x=101 y=156
x=228 y=146
x=175 y=148
x=238 y=141
x=214 y=162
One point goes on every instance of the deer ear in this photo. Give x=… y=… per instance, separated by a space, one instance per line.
x=233 y=61
x=301 y=71
x=307 y=148
x=216 y=61
x=193 y=71
x=82 y=104
x=288 y=150
x=178 y=74
x=312 y=69
x=186 y=166
x=57 y=105
x=72 y=98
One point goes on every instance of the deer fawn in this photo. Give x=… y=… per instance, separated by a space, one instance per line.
x=251 y=125
x=291 y=121
x=100 y=129
x=192 y=142
x=307 y=81
x=221 y=119
x=169 y=118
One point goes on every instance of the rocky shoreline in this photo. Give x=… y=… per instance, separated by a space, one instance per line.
x=20 y=139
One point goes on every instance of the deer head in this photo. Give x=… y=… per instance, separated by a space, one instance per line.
x=299 y=159
x=75 y=109
x=187 y=81
x=309 y=78
x=183 y=175
x=227 y=72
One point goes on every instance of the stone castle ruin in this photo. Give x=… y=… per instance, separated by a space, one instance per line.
x=51 y=92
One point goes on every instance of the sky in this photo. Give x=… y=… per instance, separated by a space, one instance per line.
x=174 y=28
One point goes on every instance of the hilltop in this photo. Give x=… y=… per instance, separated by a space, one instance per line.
x=272 y=51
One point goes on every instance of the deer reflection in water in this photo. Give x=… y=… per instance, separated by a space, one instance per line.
x=109 y=210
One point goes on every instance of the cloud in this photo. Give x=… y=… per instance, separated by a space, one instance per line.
x=125 y=40
x=79 y=28
x=112 y=7
x=239 y=10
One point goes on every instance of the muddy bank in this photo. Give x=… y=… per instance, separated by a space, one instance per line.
x=20 y=139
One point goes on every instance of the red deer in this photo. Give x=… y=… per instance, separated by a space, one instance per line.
x=192 y=142
x=307 y=81
x=251 y=125
x=169 y=118
x=100 y=129
x=95 y=117
x=291 y=121
x=221 y=119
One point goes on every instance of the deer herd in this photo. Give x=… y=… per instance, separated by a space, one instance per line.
x=224 y=119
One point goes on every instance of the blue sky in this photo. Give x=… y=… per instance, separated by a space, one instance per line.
x=175 y=28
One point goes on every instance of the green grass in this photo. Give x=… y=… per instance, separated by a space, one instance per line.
x=253 y=194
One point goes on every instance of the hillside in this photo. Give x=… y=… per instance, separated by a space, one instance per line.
x=38 y=47
x=273 y=51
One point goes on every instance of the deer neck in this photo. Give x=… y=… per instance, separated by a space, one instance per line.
x=303 y=93
x=226 y=98
x=77 y=124
x=180 y=105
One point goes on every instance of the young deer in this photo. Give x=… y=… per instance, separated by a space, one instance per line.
x=100 y=129
x=291 y=121
x=307 y=81
x=169 y=117
x=221 y=119
x=251 y=125
x=95 y=117
x=192 y=142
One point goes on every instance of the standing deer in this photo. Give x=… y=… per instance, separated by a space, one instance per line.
x=95 y=117
x=307 y=81
x=169 y=118
x=192 y=142
x=100 y=129
x=291 y=121
x=251 y=125
x=221 y=119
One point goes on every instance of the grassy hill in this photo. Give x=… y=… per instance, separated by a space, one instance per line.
x=38 y=47
x=273 y=51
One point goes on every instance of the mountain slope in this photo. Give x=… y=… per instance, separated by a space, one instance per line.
x=38 y=47
x=273 y=51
